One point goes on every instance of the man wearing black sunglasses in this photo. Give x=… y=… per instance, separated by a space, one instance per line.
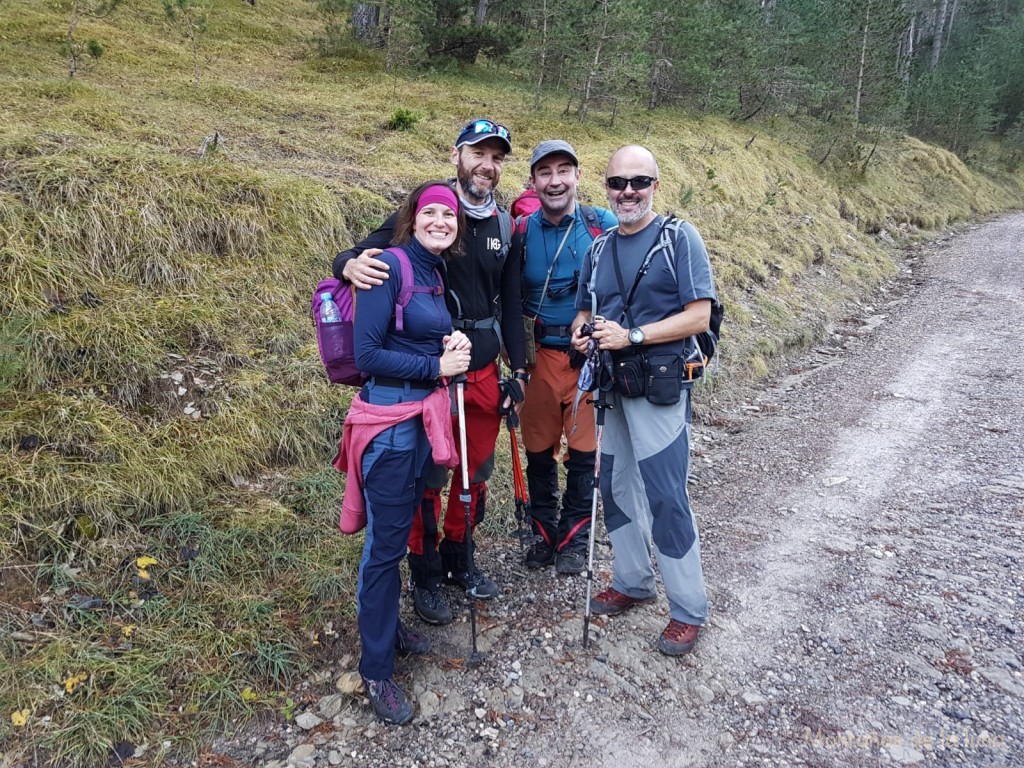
x=481 y=285
x=647 y=289
x=554 y=241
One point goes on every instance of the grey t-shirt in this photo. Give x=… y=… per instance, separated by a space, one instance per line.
x=675 y=278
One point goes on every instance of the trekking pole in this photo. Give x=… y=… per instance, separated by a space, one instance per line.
x=519 y=484
x=460 y=398
x=599 y=408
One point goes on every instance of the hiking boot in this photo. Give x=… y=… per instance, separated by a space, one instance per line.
x=541 y=554
x=611 y=602
x=678 y=638
x=411 y=643
x=388 y=701
x=478 y=586
x=569 y=563
x=430 y=605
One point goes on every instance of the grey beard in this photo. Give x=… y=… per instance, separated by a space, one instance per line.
x=635 y=216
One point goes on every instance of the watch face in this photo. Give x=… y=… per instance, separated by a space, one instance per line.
x=636 y=336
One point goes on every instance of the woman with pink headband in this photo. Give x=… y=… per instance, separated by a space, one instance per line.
x=399 y=425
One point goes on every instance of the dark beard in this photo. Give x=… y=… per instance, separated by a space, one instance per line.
x=476 y=195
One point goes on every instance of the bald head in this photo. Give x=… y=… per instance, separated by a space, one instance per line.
x=633 y=156
x=632 y=180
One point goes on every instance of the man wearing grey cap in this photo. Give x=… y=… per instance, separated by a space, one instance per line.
x=554 y=241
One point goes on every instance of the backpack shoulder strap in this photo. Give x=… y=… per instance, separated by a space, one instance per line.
x=406 y=286
x=519 y=233
x=594 y=254
x=667 y=238
x=519 y=245
x=590 y=217
x=409 y=287
x=504 y=231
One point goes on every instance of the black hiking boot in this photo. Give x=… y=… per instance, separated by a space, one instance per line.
x=540 y=555
x=388 y=701
x=410 y=643
x=570 y=562
x=477 y=585
x=431 y=606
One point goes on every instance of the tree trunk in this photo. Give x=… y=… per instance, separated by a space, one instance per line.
x=194 y=36
x=907 y=51
x=940 y=27
x=72 y=57
x=481 y=12
x=652 y=101
x=366 y=23
x=863 y=60
x=952 y=18
x=543 y=55
x=588 y=84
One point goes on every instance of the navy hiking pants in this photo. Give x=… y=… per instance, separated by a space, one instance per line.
x=395 y=467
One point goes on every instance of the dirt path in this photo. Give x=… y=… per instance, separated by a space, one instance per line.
x=862 y=524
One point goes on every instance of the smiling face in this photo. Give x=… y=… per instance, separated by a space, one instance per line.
x=555 y=179
x=478 y=168
x=436 y=226
x=632 y=207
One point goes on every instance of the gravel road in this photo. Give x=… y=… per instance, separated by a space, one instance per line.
x=862 y=520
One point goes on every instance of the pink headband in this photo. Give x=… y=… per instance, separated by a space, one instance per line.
x=437 y=194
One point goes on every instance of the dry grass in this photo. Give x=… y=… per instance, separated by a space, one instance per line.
x=141 y=285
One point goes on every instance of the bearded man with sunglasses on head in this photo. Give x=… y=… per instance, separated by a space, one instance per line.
x=481 y=285
x=646 y=290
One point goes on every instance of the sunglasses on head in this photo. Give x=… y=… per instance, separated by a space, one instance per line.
x=619 y=183
x=486 y=126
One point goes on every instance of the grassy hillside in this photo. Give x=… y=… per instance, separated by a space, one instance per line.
x=162 y=398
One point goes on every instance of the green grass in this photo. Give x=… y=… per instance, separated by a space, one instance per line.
x=131 y=267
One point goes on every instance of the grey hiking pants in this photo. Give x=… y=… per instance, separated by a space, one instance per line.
x=645 y=454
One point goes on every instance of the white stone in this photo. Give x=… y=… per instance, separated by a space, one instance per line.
x=330 y=706
x=905 y=755
x=302 y=756
x=307 y=721
x=429 y=703
x=752 y=699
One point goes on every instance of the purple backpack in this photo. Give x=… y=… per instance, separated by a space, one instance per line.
x=337 y=340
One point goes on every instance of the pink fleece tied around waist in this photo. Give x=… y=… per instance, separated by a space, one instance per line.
x=365 y=421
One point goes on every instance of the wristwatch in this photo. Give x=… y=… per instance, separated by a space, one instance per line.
x=520 y=376
x=636 y=336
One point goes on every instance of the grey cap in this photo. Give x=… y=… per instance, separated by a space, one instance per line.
x=553 y=147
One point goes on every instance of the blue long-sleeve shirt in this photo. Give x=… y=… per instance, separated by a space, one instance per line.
x=558 y=308
x=414 y=354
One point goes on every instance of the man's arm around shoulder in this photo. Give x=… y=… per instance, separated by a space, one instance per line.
x=359 y=265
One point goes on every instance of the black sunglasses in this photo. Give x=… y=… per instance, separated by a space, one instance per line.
x=572 y=287
x=619 y=183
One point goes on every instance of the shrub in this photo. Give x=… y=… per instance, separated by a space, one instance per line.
x=402 y=120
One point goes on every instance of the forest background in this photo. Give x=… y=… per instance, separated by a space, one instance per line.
x=175 y=177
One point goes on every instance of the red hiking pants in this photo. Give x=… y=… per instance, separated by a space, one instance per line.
x=482 y=426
